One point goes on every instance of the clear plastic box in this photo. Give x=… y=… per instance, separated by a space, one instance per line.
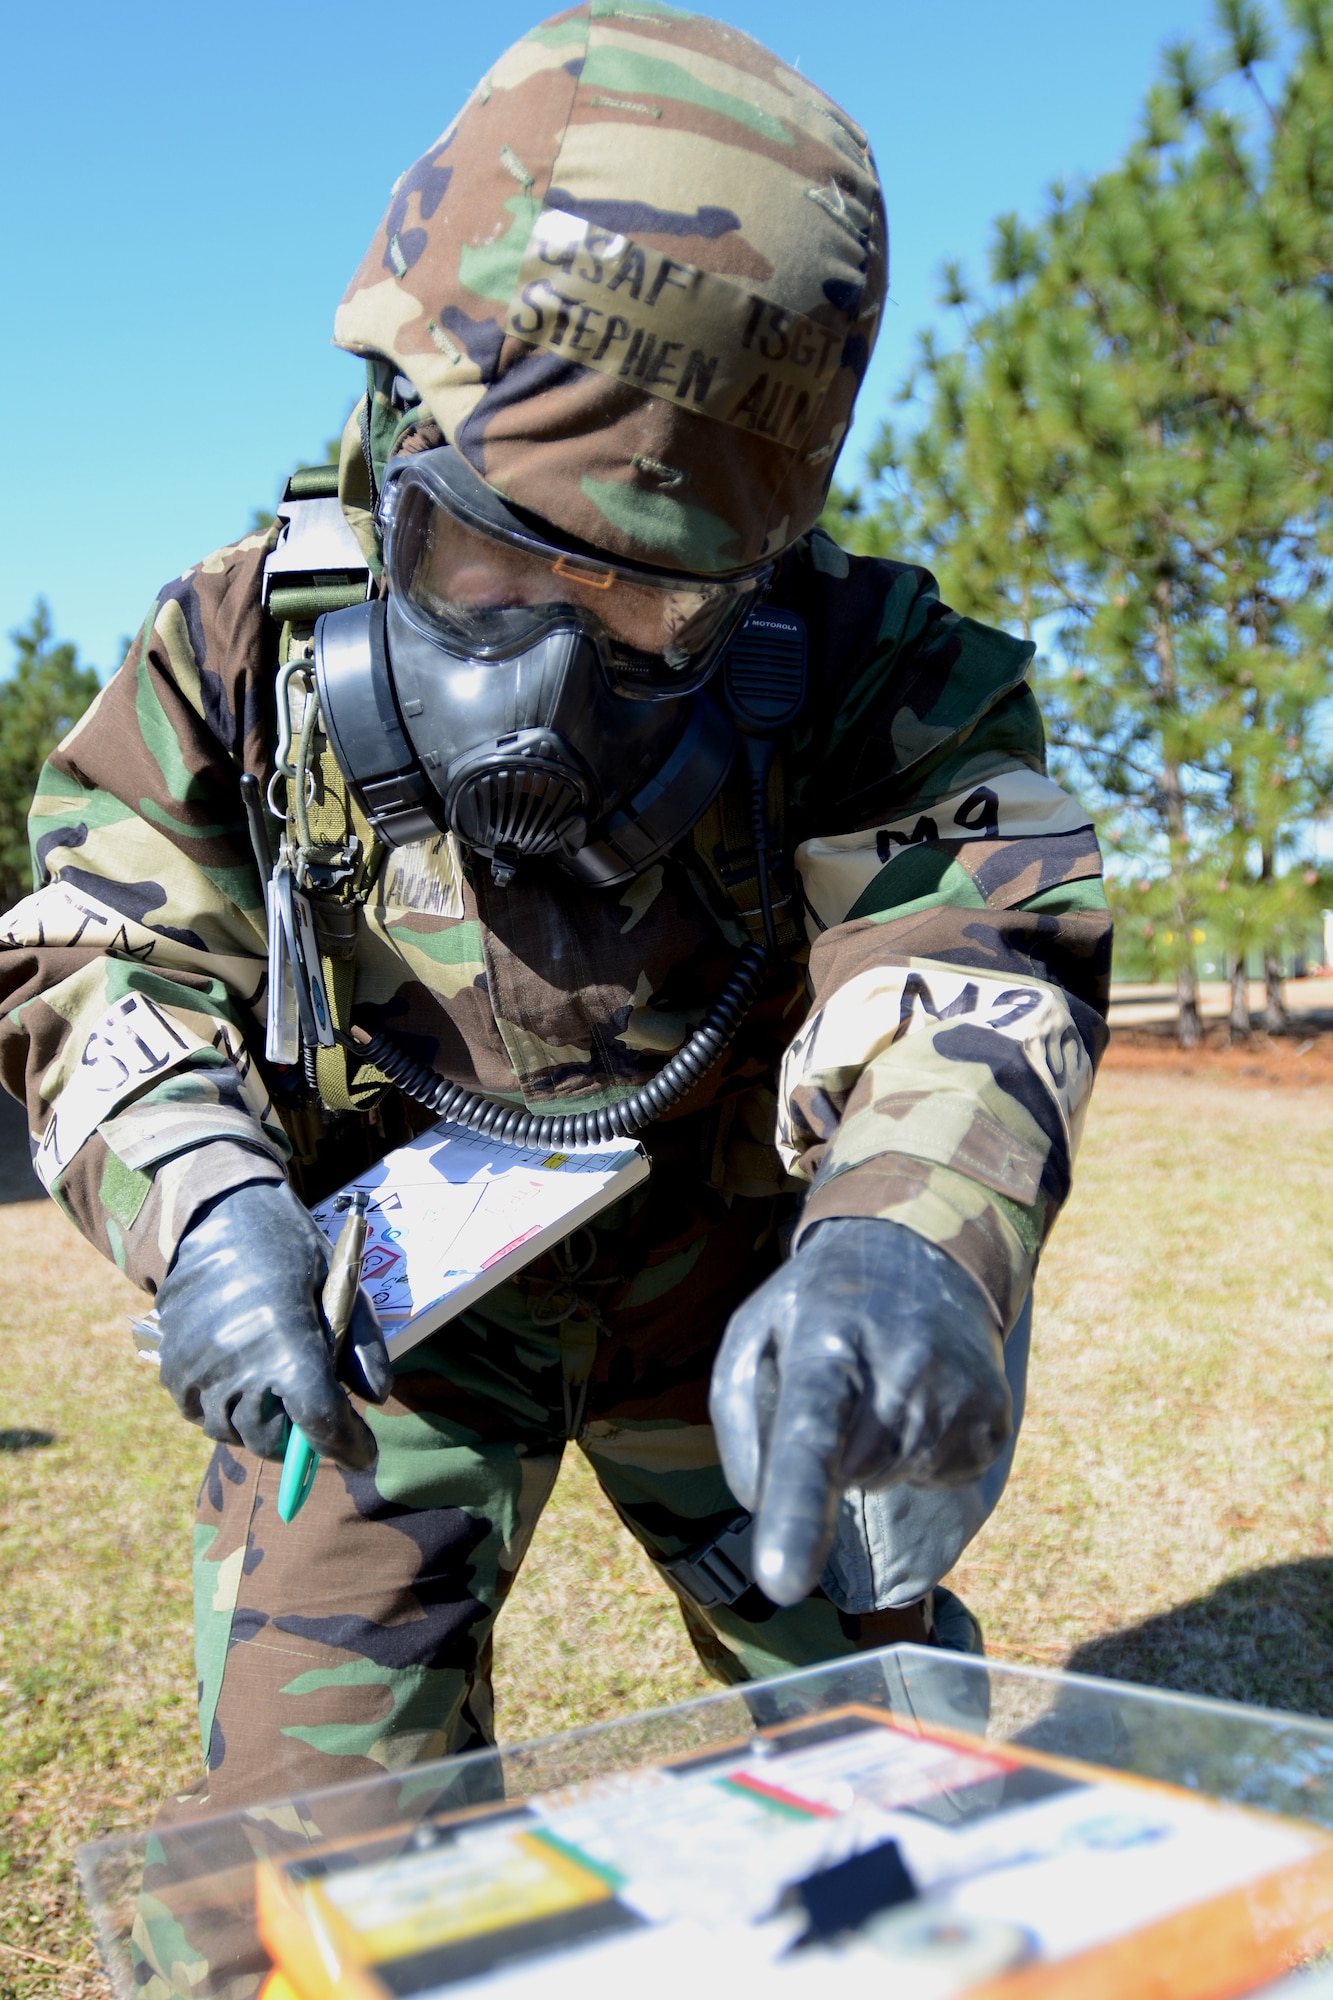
x=203 y=1872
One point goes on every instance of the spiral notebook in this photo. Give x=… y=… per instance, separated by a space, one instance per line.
x=452 y=1215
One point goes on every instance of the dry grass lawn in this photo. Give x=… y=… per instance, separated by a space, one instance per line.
x=1167 y=1519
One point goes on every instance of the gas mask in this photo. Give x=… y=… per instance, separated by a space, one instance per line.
x=537 y=700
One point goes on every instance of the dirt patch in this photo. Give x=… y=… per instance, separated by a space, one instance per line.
x=1265 y=1062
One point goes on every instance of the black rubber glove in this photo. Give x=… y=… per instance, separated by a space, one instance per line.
x=868 y=1358
x=243 y=1337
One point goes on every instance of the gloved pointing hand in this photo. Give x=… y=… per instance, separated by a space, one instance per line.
x=868 y=1358
x=243 y=1337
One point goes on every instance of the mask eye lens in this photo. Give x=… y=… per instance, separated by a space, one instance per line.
x=489 y=594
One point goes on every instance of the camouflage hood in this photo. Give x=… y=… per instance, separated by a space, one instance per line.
x=636 y=283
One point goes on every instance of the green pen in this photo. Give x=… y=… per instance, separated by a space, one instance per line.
x=300 y=1459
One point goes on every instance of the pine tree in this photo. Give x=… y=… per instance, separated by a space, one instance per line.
x=1127 y=455
x=40 y=701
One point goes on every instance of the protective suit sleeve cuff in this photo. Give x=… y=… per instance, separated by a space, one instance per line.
x=995 y=1240
x=181 y=1187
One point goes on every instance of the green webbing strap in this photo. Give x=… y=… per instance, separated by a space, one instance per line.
x=314 y=482
x=300 y=604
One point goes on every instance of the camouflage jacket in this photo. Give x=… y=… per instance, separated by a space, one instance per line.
x=925 y=1053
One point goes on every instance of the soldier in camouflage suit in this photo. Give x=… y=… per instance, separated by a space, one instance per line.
x=921 y=1053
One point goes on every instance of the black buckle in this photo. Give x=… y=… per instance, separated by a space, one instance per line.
x=719 y=1572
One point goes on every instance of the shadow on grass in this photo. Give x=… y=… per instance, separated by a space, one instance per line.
x=1264 y=1637
x=25 y=1440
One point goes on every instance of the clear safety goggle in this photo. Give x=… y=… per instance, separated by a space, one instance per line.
x=489 y=587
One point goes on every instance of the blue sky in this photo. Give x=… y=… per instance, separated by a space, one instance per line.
x=185 y=191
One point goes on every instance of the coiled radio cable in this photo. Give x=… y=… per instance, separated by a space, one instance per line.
x=514 y=1126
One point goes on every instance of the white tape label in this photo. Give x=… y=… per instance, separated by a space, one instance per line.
x=134 y=1042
